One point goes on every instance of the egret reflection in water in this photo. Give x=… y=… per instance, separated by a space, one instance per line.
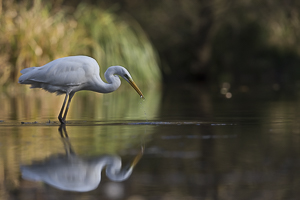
x=73 y=173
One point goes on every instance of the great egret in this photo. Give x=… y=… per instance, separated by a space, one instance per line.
x=74 y=73
x=74 y=173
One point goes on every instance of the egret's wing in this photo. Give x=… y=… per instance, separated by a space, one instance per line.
x=68 y=71
x=59 y=75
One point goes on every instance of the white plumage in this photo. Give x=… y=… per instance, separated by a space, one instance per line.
x=73 y=173
x=74 y=73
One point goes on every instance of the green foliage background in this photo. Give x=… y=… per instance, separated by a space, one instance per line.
x=236 y=41
x=34 y=33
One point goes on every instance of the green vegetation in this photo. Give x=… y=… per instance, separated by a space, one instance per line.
x=116 y=42
x=32 y=35
x=236 y=41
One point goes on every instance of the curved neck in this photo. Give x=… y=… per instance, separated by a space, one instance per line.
x=114 y=169
x=119 y=175
x=97 y=85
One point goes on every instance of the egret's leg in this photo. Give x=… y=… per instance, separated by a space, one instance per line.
x=67 y=108
x=62 y=110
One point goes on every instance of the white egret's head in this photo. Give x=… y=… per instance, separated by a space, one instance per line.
x=121 y=71
x=126 y=75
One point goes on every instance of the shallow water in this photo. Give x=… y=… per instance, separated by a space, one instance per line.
x=192 y=143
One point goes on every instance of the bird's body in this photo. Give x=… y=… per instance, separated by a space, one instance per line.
x=73 y=173
x=66 y=75
x=74 y=73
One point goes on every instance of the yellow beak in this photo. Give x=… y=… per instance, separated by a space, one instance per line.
x=137 y=158
x=132 y=83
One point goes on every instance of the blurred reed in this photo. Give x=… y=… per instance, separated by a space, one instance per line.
x=117 y=42
x=32 y=34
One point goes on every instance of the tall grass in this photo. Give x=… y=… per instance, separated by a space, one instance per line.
x=32 y=35
x=117 y=42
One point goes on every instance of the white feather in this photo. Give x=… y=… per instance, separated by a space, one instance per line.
x=74 y=73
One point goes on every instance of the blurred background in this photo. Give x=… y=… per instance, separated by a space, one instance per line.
x=221 y=81
x=237 y=41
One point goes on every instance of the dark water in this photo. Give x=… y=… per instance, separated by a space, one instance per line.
x=195 y=143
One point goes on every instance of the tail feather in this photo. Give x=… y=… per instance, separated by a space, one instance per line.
x=26 y=70
x=23 y=79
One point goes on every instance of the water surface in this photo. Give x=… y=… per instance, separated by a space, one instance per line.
x=196 y=143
